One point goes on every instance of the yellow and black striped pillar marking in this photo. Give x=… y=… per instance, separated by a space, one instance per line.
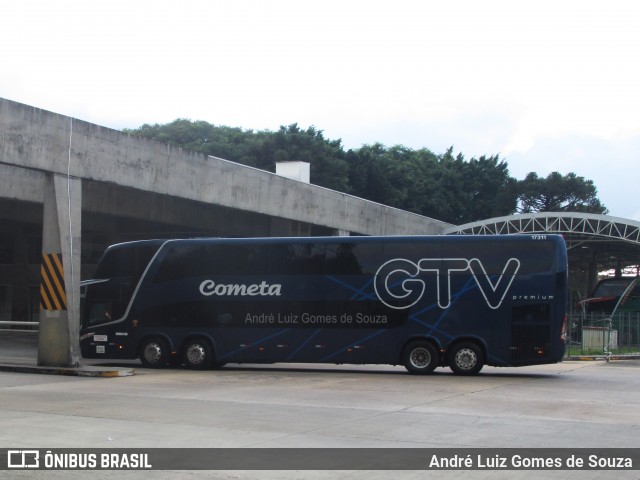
x=52 y=291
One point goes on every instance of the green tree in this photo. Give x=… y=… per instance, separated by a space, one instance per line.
x=230 y=143
x=397 y=176
x=558 y=193
x=327 y=158
x=450 y=188
x=446 y=186
x=486 y=188
x=372 y=176
x=259 y=149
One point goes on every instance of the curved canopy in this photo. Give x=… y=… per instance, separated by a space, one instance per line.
x=599 y=242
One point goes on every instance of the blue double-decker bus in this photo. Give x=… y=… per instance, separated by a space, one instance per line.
x=418 y=301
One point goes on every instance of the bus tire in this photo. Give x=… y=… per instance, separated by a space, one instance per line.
x=154 y=352
x=466 y=358
x=420 y=357
x=198 y=354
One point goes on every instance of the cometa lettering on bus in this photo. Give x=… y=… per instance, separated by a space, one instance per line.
x=263 y=289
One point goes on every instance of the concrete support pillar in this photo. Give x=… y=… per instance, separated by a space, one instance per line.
x=58 y=338
x=592 y=276
x=341 y=233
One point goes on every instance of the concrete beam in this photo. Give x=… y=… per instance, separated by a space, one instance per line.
x=48 y=142
x=17 y=183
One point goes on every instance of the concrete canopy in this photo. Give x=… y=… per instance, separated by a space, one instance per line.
x=69 y=188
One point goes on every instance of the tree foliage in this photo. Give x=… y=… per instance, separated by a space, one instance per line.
x=327 y=158
x=558 y=193
x=231 y=143
x=443 y=186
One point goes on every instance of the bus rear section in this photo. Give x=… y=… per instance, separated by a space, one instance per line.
x=421 y=302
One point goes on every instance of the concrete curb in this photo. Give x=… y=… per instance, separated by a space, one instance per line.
x=602 y=357
x=82 y=371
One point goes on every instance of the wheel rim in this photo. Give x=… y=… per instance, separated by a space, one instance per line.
x=152 y=352
x=420 y=357
x=466 y=359
x=196 y=354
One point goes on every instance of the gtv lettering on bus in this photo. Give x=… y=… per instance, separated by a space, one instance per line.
x=397 y=284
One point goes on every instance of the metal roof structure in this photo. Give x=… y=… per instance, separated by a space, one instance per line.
x=595 y=242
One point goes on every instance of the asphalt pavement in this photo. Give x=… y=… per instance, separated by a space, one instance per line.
x=19 y=353
x=570 y=405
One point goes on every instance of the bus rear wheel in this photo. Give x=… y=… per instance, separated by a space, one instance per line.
x=154 y=353
x=420 y=357
x=466 y=358
x=198 y=354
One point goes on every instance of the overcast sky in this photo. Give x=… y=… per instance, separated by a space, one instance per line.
x=550 y=85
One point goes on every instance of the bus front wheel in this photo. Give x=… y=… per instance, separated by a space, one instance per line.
x=466 y=358
x=198 y=354
x=154 y=353
x=420 y=357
